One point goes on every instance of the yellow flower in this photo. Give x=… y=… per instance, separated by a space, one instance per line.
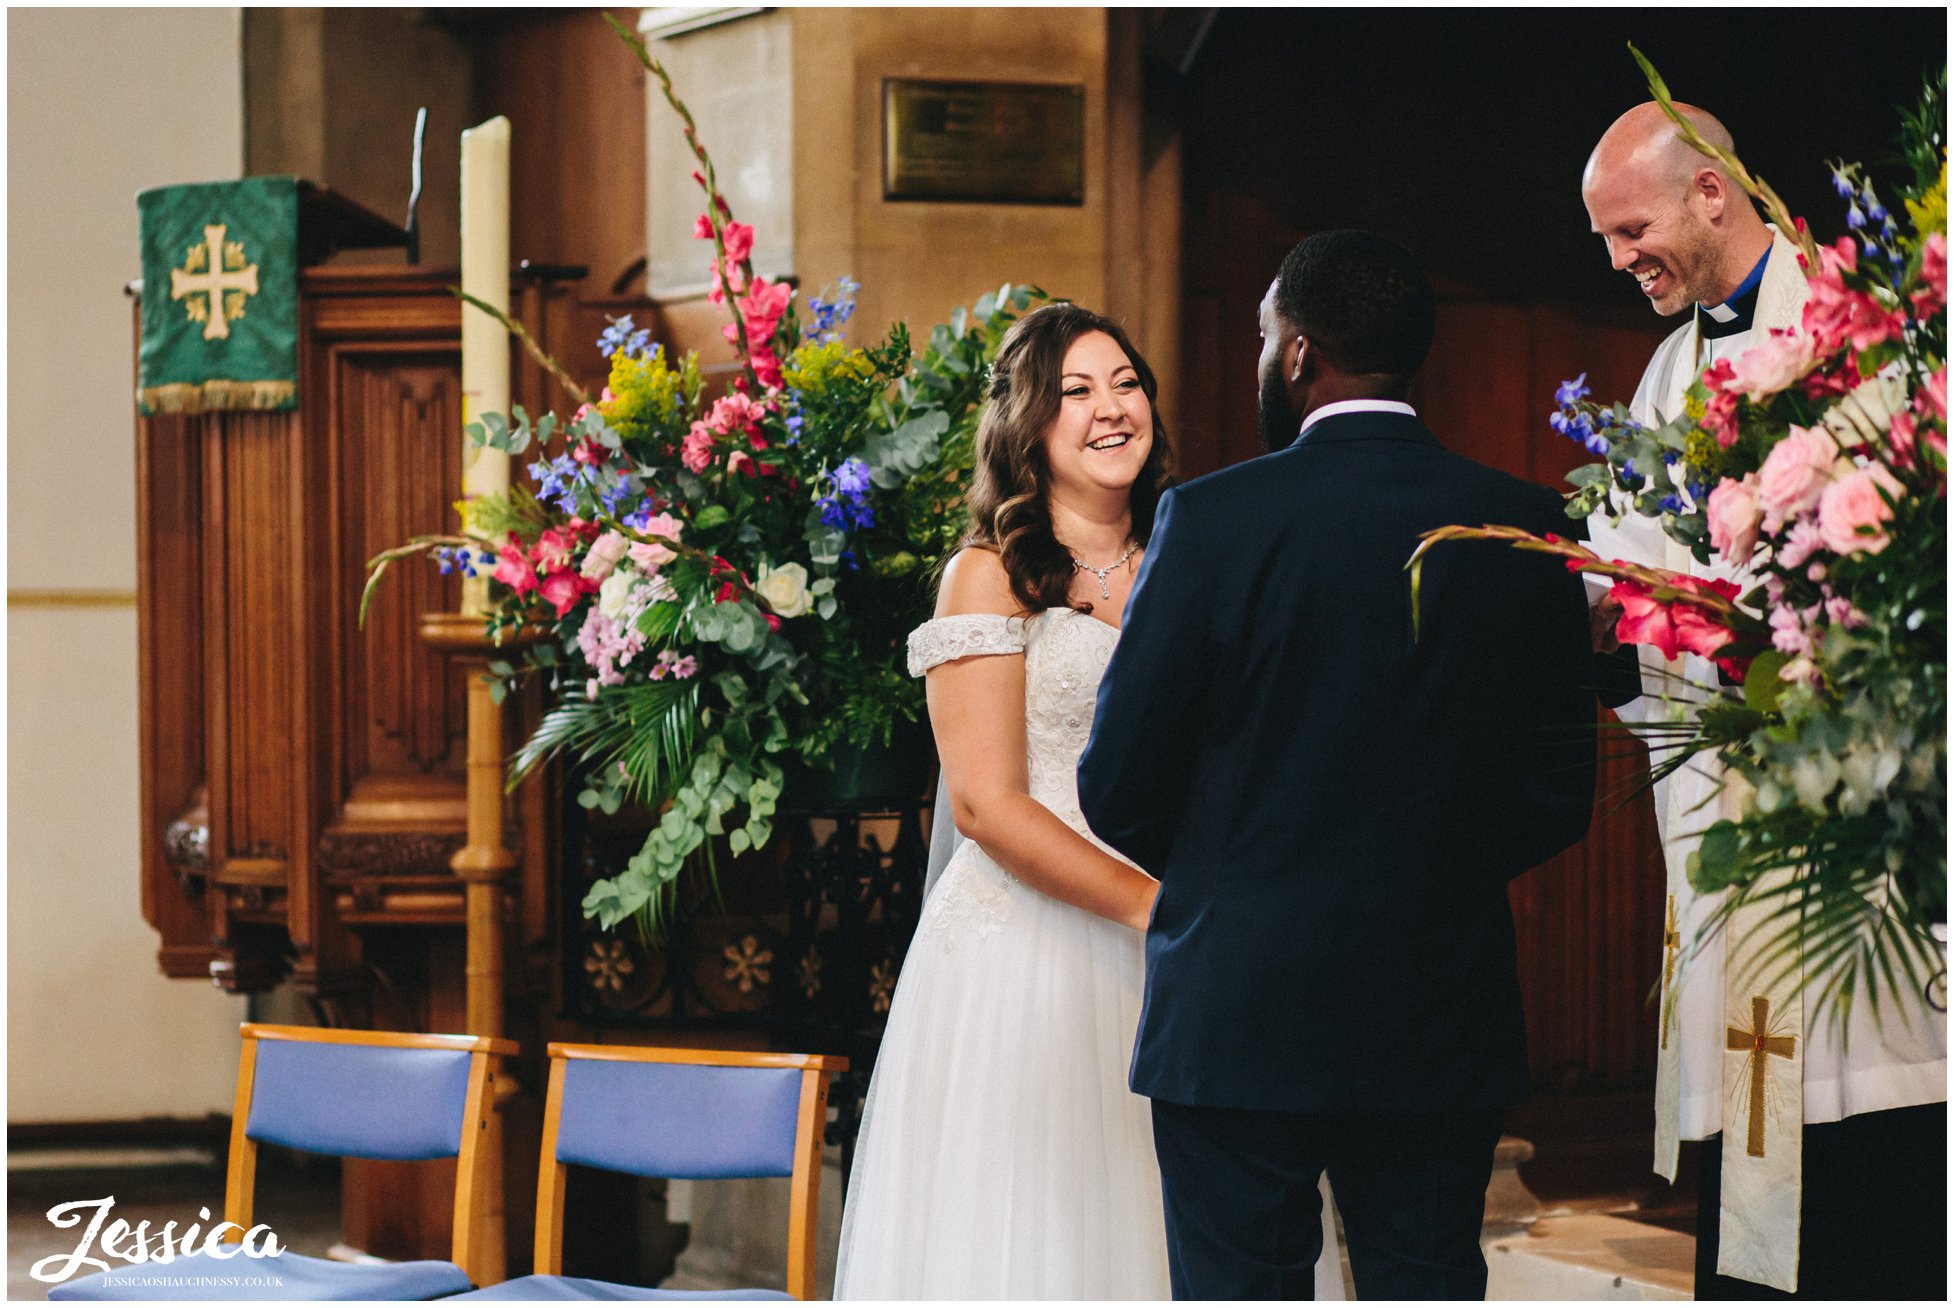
x=811 y=366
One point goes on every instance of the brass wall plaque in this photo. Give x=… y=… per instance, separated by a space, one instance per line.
x=994 y=142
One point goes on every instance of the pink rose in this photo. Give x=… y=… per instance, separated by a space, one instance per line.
x=1795 y=473
x=515 y=571
x=604 y=555
x=1852 y=509
x=651 y=556
x=1734 y=518
x=1771 y=367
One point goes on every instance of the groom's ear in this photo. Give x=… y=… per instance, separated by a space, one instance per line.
x=1305 y=363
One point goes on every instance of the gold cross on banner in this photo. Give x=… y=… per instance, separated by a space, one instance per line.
x=1672 y=940
x=1760 y=1045
x=215 y=283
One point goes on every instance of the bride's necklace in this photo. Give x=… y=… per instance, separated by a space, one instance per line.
x=1105 y=591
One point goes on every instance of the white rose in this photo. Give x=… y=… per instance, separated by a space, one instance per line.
x=785 y=589
x=614 y=596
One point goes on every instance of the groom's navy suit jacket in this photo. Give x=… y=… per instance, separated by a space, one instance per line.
x=1334 y=805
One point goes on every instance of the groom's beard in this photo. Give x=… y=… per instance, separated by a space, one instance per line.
x=1280 y=424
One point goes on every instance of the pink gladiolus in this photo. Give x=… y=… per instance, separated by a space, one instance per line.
x=1672 y=626
x=1795 y=474
x=1900 y=438
x=762 y=307
x=1773 y=366
x=553 y=548
x=1932 y=399
x=1837 y=314
x=739 y=242
x=702 y=228
x=515 y=571
x=1932 y=295
x=1720 y=418
x=697 y=454
x=1735 y=518
x=1852 y=510
x=767 y=368
x=562 y=589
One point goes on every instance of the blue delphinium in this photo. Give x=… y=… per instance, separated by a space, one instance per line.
x=831 y=315
x=795 y=422
x=557 y=480
x=468 y=560
x=847 y=507
x=1572 y=392
x=619 y=338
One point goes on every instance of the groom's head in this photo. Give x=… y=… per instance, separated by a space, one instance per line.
x=1349 y=316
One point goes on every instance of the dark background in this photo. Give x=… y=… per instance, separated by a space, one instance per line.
x=1463 y=133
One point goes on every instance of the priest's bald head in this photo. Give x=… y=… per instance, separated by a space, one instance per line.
x=1670 y=216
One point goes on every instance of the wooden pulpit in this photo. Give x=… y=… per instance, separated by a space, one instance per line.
x=302 y=777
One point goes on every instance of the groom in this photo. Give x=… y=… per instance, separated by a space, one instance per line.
x=1333 y=801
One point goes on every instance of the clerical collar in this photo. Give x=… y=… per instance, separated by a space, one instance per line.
x=1734 y=314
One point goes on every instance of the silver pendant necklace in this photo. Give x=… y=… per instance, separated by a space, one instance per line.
x=1105 y=591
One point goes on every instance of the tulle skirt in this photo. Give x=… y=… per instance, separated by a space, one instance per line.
x=1001 y=1155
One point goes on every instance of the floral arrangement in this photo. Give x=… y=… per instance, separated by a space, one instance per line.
x=720 y=587
x=1812 y=473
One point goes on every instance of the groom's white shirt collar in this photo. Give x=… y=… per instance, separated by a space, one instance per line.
x=1355 y=406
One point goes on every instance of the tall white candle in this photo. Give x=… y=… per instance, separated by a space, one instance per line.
x=484 y=341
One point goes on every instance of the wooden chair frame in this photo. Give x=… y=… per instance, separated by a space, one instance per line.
x=805 y=1196
x=241 y=1178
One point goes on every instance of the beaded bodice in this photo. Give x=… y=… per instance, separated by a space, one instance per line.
x=1065 y=655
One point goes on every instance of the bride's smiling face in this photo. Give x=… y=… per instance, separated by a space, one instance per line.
x=1103 y=431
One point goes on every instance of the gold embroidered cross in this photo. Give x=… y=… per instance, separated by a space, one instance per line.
x=1672 y=940
x=1760 y=1045
x=224 y=276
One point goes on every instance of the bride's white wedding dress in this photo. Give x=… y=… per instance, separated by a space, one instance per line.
x=1001 y=1155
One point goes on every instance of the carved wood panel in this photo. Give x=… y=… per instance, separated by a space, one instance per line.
x=400 y=463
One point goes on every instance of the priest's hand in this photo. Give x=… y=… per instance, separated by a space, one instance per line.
x=1603 y=614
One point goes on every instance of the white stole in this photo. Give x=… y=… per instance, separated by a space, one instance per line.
x=1763 y=1069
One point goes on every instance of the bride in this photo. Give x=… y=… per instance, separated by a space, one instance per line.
x=1001 y=1154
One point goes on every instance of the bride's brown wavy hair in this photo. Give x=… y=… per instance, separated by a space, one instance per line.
x=1010 y=512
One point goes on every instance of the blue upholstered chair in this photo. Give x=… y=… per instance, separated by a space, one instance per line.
x=679 y=1113
x=359 y=1094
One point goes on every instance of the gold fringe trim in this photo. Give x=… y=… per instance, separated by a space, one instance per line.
x=186 y=397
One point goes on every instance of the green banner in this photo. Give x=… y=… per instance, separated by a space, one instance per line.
x=220 y=320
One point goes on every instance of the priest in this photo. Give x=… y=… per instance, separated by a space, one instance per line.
x=1824 y=1151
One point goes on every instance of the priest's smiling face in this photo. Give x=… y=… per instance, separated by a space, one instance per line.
x=1654 y=232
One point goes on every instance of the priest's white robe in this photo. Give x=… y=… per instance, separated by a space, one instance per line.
x=1902 y=1060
